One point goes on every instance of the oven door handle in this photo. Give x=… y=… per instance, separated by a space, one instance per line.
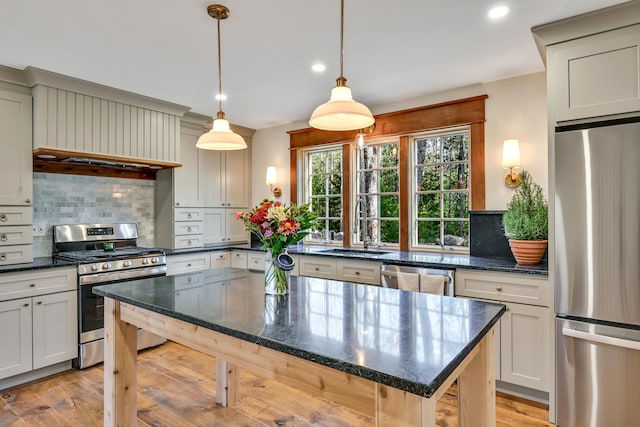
x=602 y=339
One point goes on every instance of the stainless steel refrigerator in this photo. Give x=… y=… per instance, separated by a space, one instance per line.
x=597 y=275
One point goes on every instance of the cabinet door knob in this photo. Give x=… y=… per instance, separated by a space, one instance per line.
x=39 y=302
x=3 y=237
x=357 y=273
x=188 y=265
x=189 y=216
x=27 y=201
x=177 y=204
x=499 y=288
x=3 y=257
x=317 y=268
x=189 y=243
x=32 y=285
x=3 y=217
x=25 y=304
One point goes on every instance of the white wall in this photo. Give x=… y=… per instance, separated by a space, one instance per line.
x=516 y=108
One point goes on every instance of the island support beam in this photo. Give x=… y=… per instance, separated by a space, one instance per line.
x=227 y=383
x=120 y=370
x=477 y=387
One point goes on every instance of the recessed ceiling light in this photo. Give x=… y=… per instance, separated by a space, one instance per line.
x=498 y=12
x=223 y=96
x=318 y=68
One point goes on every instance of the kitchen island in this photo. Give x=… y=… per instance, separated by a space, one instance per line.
x=387 y=353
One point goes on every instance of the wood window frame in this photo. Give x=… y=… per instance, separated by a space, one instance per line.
x=461 y=112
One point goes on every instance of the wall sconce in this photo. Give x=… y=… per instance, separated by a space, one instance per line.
x=362 y=133
x=272 y=181
x=511 y=160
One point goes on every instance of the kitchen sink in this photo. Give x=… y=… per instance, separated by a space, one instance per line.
x=346 y=251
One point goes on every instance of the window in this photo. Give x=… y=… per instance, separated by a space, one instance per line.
x=324 y=192
x=441 y=189
x=377 y=203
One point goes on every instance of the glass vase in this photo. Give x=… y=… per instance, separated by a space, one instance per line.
x=276 y=280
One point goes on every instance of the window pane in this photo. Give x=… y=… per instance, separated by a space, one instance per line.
x=428 y=205
x=335 y=184
x=428 y=232
x=455 y=148
x=334 y=158
x=389 y=181
x=368 y=182
x=318 y=184
x=456 y=205
x=456 y=177
x=318 y=206
x=389 y=206
x=427 y=150
x=335 y=226
x=428 y=178
x=389 y=156
x=318 y=162
x=368 y=157
x=335 y=207
x=390 y=231
x=456 y=233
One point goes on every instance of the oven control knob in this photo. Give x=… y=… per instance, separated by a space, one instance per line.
x=154 y=260
x=106 y=266
x=145 y=261
x=95 y=267
x=127 y=263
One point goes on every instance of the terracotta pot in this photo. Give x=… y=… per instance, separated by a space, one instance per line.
x=528 y=252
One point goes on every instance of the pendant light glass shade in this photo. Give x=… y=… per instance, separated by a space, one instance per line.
x=341 y=112
x=220 y=137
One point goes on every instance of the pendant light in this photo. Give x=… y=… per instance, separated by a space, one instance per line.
x=220 y=137
x=341 y=112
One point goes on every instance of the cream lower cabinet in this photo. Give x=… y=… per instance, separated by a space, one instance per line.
x=525 y=341
x=221 y=226
x=197 y=261
x=39 y=330
x=335 y=268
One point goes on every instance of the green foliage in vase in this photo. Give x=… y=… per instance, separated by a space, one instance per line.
x=527 y=215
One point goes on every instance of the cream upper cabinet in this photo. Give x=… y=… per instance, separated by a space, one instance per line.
x=593 y=64
x=227 y=178
x=16 y=176
x=596 y=76
x=187 y=183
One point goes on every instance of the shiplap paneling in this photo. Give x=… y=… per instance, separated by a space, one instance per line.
x=70 y=121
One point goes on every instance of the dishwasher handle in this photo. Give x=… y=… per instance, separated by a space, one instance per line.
x=394 y=274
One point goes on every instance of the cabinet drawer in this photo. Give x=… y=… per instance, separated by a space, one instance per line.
x=16 y=235
x=187 y=228
x=188 y=263
x=16 y=254
x=188 y=281
x=186 y=242
x=255 y=261
x=48 y=281
x=359 y=272
x=16 y=215
x=503 y=287
x=239 y=259
x=220 y=259
x=184 y=214
x=318 y=267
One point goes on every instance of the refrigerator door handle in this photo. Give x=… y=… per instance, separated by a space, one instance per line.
x=603 y=339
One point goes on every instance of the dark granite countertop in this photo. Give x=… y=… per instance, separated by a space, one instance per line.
x=409 y=258
x=407 y=340
x=37 y=264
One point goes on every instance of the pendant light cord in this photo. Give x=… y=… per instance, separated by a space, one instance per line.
x=341 y=38
x=219 y=72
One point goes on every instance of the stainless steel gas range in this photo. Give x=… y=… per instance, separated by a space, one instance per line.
x=106 y=253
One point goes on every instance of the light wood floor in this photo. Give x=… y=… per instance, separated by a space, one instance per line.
x=176 y=387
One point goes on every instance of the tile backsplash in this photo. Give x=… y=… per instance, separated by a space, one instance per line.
x=78 y=199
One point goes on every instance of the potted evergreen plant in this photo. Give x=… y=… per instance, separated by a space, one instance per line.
x=526 y=222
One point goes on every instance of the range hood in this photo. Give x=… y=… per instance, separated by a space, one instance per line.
x=78 y=163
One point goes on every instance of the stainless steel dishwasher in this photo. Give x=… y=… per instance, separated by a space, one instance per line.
x=418 y=279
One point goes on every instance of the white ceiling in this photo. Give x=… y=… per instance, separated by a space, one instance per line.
x=166 y=49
